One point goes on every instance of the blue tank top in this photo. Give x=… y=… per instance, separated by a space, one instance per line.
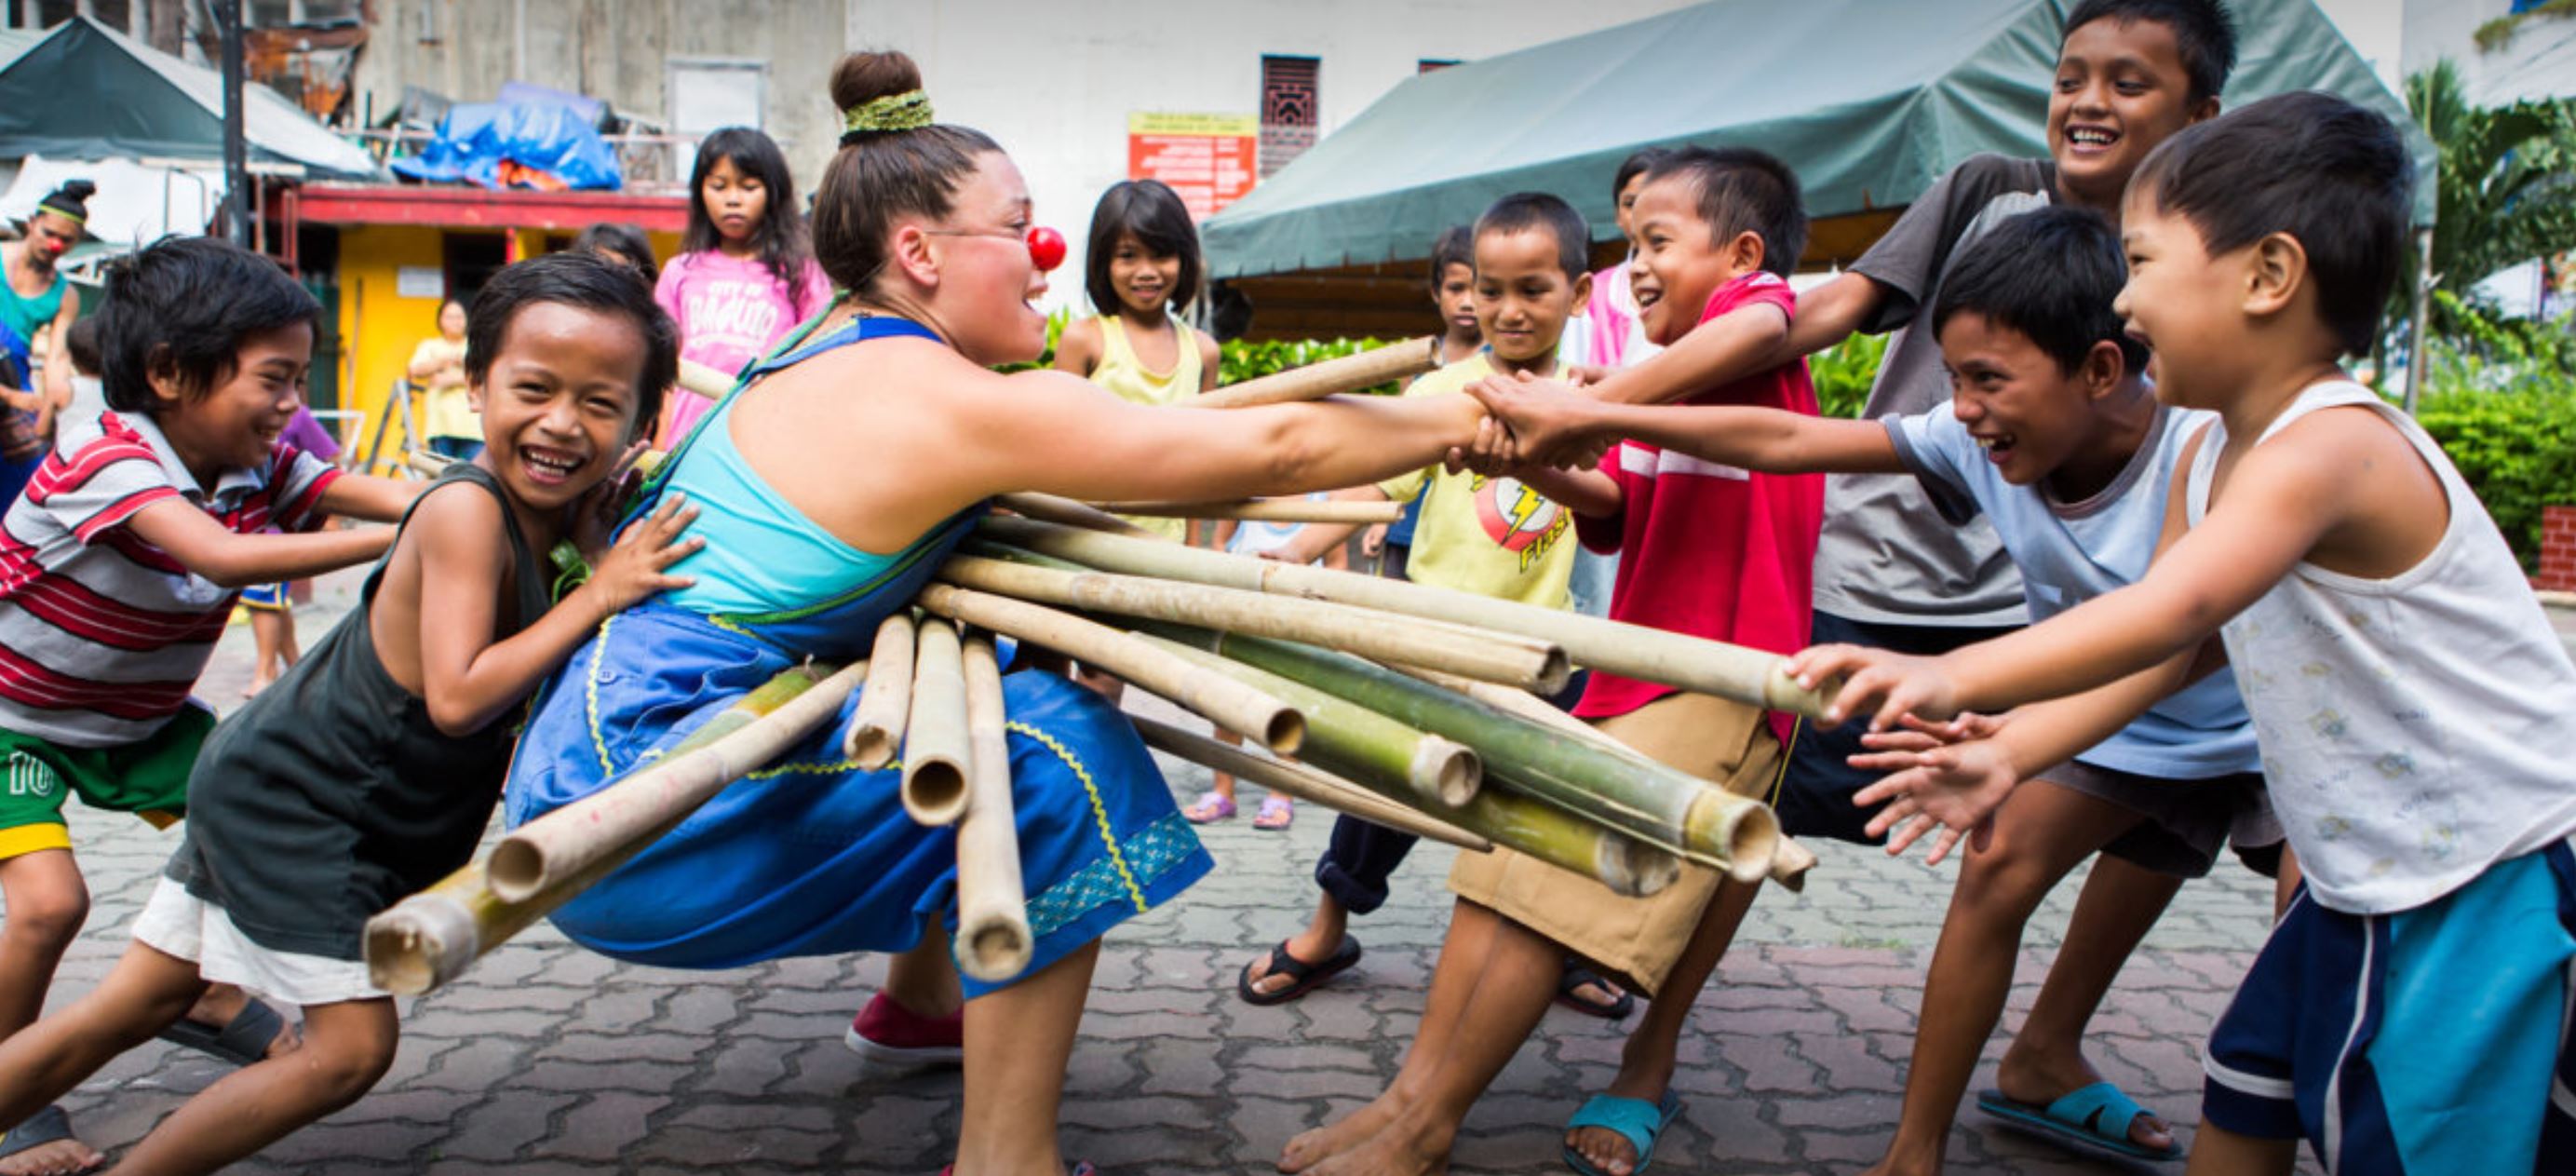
x=763 y=557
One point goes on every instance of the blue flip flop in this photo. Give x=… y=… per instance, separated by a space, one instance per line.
x=1641 y=1122
x=2094 y=1118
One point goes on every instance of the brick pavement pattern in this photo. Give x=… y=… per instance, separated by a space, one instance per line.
x=547 y=1060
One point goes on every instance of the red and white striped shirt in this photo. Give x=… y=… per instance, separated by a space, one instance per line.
x=102 y=635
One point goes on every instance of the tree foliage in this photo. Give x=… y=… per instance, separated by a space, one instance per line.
x=2506 y=191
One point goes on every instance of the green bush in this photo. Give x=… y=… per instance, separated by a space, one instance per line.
x=1245 y=361
x=2500 y=398
x=1844 y=372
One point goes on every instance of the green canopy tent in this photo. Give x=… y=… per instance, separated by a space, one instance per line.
x=1870 y=100
x=83 y=91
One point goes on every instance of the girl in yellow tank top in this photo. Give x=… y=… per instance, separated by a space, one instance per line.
x=1141 y=269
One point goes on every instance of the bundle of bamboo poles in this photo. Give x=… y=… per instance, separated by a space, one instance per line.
x=1404 y=704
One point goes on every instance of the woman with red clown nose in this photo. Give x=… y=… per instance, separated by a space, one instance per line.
x=829 y=484
x=37 y=305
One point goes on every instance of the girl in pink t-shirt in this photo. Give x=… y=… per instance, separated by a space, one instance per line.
x=745 y=274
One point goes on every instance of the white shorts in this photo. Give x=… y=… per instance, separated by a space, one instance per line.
x=181 y=924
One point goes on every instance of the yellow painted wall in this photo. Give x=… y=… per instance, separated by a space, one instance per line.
x=379 y=327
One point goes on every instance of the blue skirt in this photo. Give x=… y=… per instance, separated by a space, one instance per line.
x=811 y=856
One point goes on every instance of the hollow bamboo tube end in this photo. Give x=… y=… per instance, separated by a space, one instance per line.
x=516 y=870
x=934 y=790
x=1286 y=731
x=868 y=746
x=1790 y=863
x=423 y=942
x=1555 y=670
x=994 y=949
x=1446 y=771
x=1751 y=843
x=1781 y=692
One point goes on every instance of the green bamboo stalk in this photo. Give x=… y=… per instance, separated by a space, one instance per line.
x=432 y=937
x=1352 y=739
x=1750 y=676
x=1643 y=799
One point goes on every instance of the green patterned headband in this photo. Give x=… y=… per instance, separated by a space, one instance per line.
x=906 y=111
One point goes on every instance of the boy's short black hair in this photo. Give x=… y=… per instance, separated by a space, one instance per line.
x=1638 y=163
x=2334 y=175
x=588 y=281
x=2204 y=31
x=1155 y=215
x=183 y=305
x=1523 y=212
x=1456 y=246
x=1744 y=189
x=2051 y=275
x=82 y=342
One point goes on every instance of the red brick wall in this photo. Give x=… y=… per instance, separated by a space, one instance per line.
x=2557 y=549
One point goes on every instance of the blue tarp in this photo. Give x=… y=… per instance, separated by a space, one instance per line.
x=476 y=139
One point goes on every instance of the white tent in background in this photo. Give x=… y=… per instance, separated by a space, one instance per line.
x=135 y=202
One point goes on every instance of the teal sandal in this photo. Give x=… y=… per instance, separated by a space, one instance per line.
x=1635 y=1119
x=2094 y=1118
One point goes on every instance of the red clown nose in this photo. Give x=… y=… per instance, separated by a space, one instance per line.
x=1046 y=248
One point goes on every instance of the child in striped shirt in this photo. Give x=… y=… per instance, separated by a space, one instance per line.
x=118 y=570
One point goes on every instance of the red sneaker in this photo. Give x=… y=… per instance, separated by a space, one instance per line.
x=888 y=1034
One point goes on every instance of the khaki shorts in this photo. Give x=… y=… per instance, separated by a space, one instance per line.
x=1635 y=939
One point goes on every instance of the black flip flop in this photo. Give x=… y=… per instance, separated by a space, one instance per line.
x=243 y=1041
x=1303 y=976
x=1569 y=992
x=50 y=1125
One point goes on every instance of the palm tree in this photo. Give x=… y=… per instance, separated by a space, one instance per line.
x=2505 y=189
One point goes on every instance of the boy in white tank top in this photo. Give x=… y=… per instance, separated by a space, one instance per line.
x=2411 y=1011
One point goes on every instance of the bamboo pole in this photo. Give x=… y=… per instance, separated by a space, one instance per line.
x=427 y=464
x=430 y=938
x=993 y=939
x=1537 y=829
x=1276 y=510
x=1475 y=653
x=1315 y=381
x=1305 y=783
x=1069 y=513
x=1223 y=700
x=703 y=380
x=936 y=754
x=1749 y=676
x=1627 y=792
x=1790 y=861
x=1357 y=741
x=561 y=842
x=877 y=723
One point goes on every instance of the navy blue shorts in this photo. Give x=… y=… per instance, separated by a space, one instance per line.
x=2432 y=1041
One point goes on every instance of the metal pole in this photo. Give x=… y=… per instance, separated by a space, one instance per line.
x=2419 y=351
x=228 y=19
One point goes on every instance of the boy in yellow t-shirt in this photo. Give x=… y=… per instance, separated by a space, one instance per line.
x=1487 y=535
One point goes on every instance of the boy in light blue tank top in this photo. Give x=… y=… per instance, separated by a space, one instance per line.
x=2055 y=436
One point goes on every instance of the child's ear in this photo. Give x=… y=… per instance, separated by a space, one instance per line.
x=1582 y=295
x=1745 y=252
x=474 y=396
x=2276 y=268
x=161 y=372
x=2104 y=370
x=2203 y=110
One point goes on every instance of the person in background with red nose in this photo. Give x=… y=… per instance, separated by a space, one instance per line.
x=37 y=305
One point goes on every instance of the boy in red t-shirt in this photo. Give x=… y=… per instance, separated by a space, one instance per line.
x=1710 y=551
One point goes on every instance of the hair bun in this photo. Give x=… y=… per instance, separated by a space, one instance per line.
x=868 y=75
x=78 y=189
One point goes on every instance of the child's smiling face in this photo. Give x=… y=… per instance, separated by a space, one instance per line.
x=2029 y=414
x=2181 y=302
x=559 y=401
x=1145 y=279
x=1680 y=262
x=2121 y=88
x=235 y=423
x=1523 y=295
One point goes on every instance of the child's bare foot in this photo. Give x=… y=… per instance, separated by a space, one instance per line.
x=59 y=1153
x=1341 y=1135
x=2037 y=1078
x=1402 y=1148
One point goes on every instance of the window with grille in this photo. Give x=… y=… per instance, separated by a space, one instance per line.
x=1288 y=110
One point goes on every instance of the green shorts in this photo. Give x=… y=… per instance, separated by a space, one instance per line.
x=148 y=778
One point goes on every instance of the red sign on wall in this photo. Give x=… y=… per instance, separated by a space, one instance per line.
x=1210 y=159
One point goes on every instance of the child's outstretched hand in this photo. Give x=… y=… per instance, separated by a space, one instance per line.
x=1949 y=777
x=1492 y=453
x=635 y=567
x=1546 y=419
x=1882 y=685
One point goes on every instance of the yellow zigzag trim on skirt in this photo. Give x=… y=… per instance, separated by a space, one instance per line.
x=1099 y=813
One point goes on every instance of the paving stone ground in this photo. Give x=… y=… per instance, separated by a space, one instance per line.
x=550 y=1060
